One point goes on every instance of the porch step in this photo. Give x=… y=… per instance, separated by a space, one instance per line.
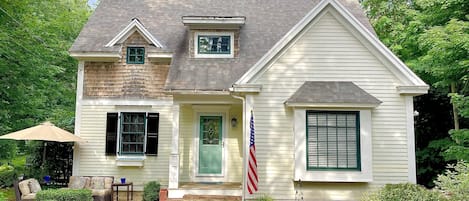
x=208 y=198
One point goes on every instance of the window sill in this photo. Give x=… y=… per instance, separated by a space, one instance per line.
x=130 y=161
x=332 y=176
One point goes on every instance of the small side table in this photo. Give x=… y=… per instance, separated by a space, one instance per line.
x=130 y=190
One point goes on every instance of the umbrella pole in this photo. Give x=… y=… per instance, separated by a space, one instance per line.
x=44 y=155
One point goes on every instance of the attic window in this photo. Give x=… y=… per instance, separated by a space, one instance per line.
x=214 y=45
x=135 y=55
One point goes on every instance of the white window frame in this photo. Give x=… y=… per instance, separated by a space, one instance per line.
x=301 y=172
x=196 y=45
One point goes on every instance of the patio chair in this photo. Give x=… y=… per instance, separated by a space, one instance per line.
x=26 y=190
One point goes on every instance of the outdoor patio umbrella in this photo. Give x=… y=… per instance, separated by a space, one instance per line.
x=45 y=132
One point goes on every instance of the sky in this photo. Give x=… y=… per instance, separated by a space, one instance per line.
x=92 y=2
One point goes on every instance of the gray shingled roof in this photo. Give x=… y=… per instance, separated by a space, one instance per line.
x=332 y=92
x=266 y=22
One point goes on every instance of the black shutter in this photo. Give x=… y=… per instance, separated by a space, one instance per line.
x=153 y=120
x=111 y=133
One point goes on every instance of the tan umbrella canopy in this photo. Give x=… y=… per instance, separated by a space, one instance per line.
x=45 y=132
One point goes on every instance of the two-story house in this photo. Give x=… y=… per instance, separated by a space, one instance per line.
x=166 y=91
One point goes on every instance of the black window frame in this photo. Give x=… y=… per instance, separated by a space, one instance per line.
x=114 y=131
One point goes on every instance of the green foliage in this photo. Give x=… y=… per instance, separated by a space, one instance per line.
x=2 y=196
x=447 y=53
x=431 y=132
x=7 y=175
x=55 y=161
x=36 y=73
x=8 y=193
x=455 y=181
x=151 y=191
x=64 y=195
x=407 y=191
x=264 y=197
x=8 y=149
x=431 y=37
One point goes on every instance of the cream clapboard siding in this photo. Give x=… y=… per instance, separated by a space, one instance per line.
x=186 y=141
x=327 y=51
x=93 y=160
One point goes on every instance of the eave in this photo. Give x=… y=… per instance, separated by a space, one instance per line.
x=214 y=22
x=135 y=25
x=413 y=90
x=246 y=88
x=96 y=56
x=331 y=105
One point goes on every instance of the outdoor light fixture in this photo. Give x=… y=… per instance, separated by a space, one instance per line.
x=234 y=122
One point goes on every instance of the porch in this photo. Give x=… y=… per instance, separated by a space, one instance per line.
x=207 y=151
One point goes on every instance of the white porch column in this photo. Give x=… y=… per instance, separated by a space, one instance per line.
x=411 y=139
x=174 y=158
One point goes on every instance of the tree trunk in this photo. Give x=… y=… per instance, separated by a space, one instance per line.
x=455 y=110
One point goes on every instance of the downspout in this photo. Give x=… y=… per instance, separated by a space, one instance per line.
x=244 y=144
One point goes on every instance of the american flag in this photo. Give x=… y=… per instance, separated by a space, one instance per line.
x=252 y=164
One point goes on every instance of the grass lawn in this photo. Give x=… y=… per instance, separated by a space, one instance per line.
x=9 y=193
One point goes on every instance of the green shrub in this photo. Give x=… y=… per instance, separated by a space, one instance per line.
x=151 y=191
x=407 y=192
x=455 y=181
x=64 y=195
x=7 y=175
x=264 y=197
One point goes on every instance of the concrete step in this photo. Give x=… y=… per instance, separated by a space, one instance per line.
x=208 y=198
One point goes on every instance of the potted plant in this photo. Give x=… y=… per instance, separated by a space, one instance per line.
x=151 y=191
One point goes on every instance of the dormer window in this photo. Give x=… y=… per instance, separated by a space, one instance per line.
x=135 y=55
x=214 y=44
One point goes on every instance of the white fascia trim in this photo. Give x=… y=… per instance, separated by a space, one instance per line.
x=332 y=105
x=413 y=90
x=96 y=56
x=260 y=66
x=115 y=102
x=195 y=92
x=129 y=29
x=301 y=173
x=160 y=55
x=204 y=20
x=253 y=88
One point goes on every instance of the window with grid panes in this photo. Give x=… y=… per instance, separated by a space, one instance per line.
x=135 y=55
x=133 y=133
x=333 y=140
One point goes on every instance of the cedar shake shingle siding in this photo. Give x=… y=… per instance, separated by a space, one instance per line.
x=119 y=79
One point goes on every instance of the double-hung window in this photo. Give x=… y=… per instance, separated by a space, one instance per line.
x=132 y=133
x=333 y=140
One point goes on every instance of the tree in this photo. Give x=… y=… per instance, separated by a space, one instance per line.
x=36 y=74
x=430 y=36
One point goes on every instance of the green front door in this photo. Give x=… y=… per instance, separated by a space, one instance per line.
x=210 y=145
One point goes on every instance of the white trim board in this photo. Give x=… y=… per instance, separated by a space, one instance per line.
x=399 y=68
x=135 y=25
